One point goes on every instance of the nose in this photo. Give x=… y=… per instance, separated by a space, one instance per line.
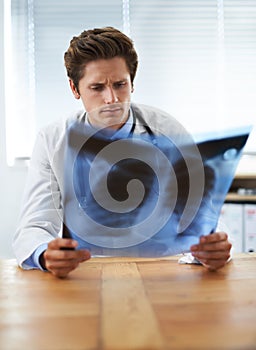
x=110 y=95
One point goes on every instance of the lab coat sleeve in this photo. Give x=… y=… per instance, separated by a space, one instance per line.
x=41 y=215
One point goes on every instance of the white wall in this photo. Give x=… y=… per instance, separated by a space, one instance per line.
x=11 y=179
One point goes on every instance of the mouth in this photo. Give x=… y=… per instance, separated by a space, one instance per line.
x=111 y=109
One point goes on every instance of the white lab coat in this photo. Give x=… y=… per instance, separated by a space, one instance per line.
x=42 y=211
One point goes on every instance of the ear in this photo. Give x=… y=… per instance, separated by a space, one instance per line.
x=74 y=89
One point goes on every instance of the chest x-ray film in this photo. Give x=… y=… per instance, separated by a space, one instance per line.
x=147 y=194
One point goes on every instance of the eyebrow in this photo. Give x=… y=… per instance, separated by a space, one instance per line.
x=102 y=84
x=96 y=84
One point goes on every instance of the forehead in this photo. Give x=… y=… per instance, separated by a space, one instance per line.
x=113 y=69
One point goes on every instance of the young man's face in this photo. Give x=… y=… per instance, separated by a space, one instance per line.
x=105 y=90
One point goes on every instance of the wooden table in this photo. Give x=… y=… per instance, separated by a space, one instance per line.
x=130 y=304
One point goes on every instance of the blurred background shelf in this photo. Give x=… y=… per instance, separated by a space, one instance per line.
x=243 y=187
x=239 y=211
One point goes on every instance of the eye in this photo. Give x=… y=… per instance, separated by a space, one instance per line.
x=97 y=87
x=119 y=84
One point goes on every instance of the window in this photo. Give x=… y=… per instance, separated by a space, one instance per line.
x=197 y=60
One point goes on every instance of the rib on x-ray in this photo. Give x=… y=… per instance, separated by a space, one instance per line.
x=147 y=194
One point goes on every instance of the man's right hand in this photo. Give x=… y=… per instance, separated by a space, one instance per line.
x=60 y=261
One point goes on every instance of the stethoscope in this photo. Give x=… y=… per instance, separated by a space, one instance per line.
x=141 y=121
x=146 y=127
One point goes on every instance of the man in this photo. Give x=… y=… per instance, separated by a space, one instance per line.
x=101 y=66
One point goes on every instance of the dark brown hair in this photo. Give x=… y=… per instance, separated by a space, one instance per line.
x=99 y=43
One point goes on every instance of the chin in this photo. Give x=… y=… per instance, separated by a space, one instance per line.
x=114 y=124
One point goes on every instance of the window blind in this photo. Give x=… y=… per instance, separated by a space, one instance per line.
x=196 y=60
x=240 y=63
x=56 y=22
x=178 y=46
x=38 y=91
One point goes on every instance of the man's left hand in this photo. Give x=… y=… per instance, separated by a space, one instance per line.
x=213 y=251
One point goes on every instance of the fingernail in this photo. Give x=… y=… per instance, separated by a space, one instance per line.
x=202 y=239
x=74 y=243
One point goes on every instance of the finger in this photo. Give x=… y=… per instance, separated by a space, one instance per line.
x=214 y=237
x=211 y=247
x=67 y=255
x=62 y=272
x=61 y=267
x=61 y=264
x=59 y=243
x=215 y=255
x=213 y=265
x=215 y=241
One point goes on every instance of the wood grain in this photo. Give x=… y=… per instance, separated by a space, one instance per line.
x=125 y=303
x=128 y=321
